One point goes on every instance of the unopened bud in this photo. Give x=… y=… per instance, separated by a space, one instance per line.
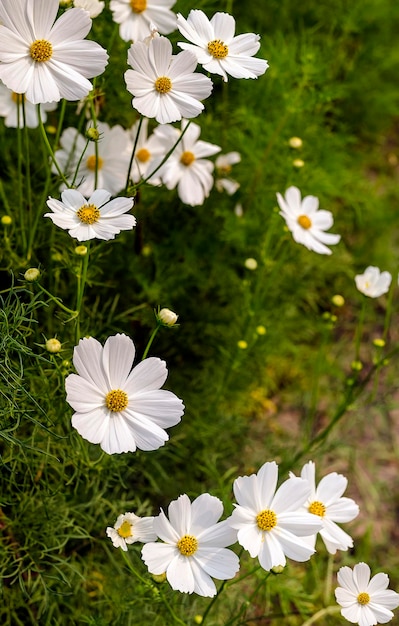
x=53 y=345
x=295 y=142
x=338 y=300
x=378 y=342
x=357 y=366
x=6 y=220
x=32 y=274
x=167 y=317
x=251 y=264
x=81 y=250
x=92 y=134
x=242 y=344
x=159 y=578
x=298 y=163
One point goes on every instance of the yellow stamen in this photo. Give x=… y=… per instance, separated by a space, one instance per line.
x=88 y=214
x=163 y=84
x=92 y=162
x=143 y=155
x=266 y=519
x=317 y=508
x=116 y=400
x=187 y=158
x=41 y=50
x=363 y=598
x=125 y=530
x=304 y=221
x=138 y=6
x=188 y=545
x=218 y=49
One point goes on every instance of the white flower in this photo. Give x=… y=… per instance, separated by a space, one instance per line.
x=268 y=521
x=137 y=17
x=186 y=168
x=216 y=47
x=306 y=223
x=164 y=86
x=116 y=406
x=148 y=155
x=365 y=602
x=130 y=528
x=94 y=7
x=111 y=165
x=99 y=217
x=373 y=283
x=327 y=502
x=44 y=58
x=10 y=102
x=194 y=548
x=223 y=165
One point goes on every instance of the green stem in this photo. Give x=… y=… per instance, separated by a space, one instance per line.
x=57 y=301
x=49 y=148
x=359 y=329
x=329 y=576
x=82 y=277
x=28 y=172
x=151 y=339
x=329 y=610
x=177 y=619
x=133 y=153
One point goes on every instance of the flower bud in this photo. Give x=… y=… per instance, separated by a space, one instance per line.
x=81 y=250
x=53 y=345
x=92 y=134
x=251 y=264
x=298 y=163
x=261 y=330
x=295 y=142
x=6 y=220
x=242 y=344
x=159 y=578
x=167 y=317
x=379 y=342
x=32 y=274
x=338 y=300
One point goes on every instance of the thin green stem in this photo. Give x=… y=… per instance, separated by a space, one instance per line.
x=177 y=619
x=329 y=610
x=57 y=301
x=49 y=148
x=82 y=277
x=20 y=178
x=359 y=329
x=28 y=202
x=328 y=578
x=151 y=339
x=133 y=153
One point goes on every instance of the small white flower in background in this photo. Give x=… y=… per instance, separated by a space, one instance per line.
x=223 y=165
x=373 y=283
x=167 y=317
x=137 y=17
x=116 y=406
x=10 y=102
x=194 y=545
x=94 y=7
x=99 y=217
x=112 y=162
x=306 y=222
x=149 y=153
x=365 y=602
x=269 y=523
x=216 y=47
x=186 y=168
x=130 y=528
x=47 y=58
x=326 y=501
x=164 y=85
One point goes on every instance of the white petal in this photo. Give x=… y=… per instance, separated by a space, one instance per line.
x=117 y=359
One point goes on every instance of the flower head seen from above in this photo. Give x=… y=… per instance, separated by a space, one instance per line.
x=269 y=523
x=187 y=168
x=365 y=601
x=223 y=165
x=130 y=528
x=216 y=47
x=137 y=17
x=105 y=169
x=194 y=546
x=373 y=283
x=12 y=110
x=306 y=222
x=326 y=501
x=99 y=217
x=116 y=406
x=47 y=58
x=165 y=86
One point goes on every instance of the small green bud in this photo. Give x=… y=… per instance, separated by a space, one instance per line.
x=298 y=163
x=357 y=366
x=92 y=134
x=379 y=342
x=338 y=300
x=277 y=569
x=295 y=142
x=261 y=330
x=242 y=344
x=251 y=264
x=6 y=220
x=53 y=345
x=32 y=274
x=81 y=250
x=167 y=317
x=159 y=578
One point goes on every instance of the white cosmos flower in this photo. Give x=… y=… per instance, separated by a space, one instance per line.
x=223 y=165
x=216 y=47
x=130 y=528
x=187 y=168
x=373 y=283
x=365 y=602
x=116 y=406
x=10 y=102
x=165 y=86
x=112 y=162
x=194 y=545
x=306 y=223
x=149 y=153
x=137 y=17
x=44 y=58
x=326 y=501
x=99 y=217
x=268 y=522
x=94 y=7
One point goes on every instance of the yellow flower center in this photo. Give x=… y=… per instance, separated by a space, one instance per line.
x=138 y=6
x=218 y=49
x=143 y=155
x=88 y=214
x=304 y=221
x=317 y=508
x=187 y=545
x=41 y=50
x=94 y=162
x=125 y=530
x=363 y=598
x=163 y=84
x=187 y=158
x=224 y=170
x=116 y=400
x=266 y=519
